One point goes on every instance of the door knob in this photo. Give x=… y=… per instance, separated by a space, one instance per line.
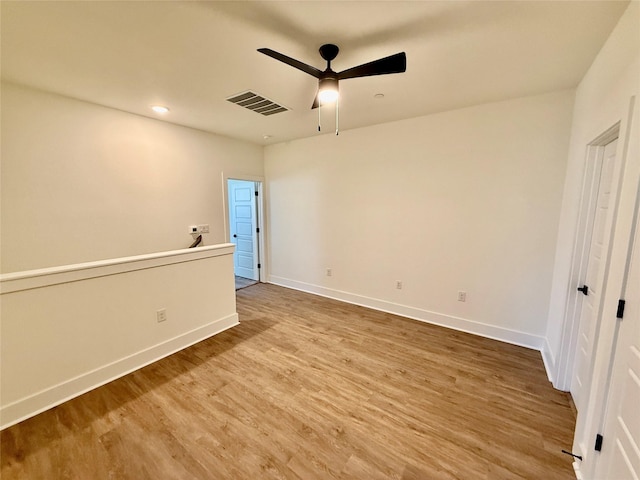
x=235 y=236
x=584 y=289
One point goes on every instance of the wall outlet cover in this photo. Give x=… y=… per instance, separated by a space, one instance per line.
x=161 y=315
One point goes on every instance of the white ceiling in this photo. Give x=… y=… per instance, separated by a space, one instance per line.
x=191 y=56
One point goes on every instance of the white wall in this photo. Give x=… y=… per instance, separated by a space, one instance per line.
x=462 y=200
x=602 y=99
x=82 y=182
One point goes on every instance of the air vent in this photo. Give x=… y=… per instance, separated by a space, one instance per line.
x=257 y=103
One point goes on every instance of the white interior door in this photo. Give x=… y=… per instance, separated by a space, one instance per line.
x=594 y=278
x=243 y=227
x=620 y=455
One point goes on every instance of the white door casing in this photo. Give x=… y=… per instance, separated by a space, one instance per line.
x=594 y=275
x=243 y=227
x=564 y=373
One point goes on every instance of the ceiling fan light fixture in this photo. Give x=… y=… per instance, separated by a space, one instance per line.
x=328 y=96
x=328 y=90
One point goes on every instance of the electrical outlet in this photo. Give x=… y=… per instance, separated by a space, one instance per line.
x=462 y=296
x=161 y=315
x=199 y=228
x=399 y=284
x=329 y=272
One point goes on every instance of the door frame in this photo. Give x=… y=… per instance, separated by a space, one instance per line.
x=260 y=214
x=580 y=255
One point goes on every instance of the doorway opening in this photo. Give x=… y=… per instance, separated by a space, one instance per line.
x=244 y=207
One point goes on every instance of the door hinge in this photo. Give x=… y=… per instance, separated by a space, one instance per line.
x=259 y=266
x=584 y=289
x=598 y=445
x=256 y=193
x=620 y=311
x=258 y=230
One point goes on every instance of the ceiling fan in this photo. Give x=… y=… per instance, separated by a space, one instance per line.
x=328 y=79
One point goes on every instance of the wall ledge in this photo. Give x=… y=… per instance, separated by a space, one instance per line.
x=29 y=279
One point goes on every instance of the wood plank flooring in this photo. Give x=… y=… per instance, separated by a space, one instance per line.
x=310 y=388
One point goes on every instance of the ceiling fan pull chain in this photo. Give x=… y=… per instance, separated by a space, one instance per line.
x=319 y=115
x=337 y=116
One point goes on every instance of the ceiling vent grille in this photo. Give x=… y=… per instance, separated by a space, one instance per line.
x=257 y=103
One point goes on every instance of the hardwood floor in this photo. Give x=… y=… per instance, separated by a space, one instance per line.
x=310 y=388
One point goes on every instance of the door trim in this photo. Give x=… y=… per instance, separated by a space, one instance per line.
x=262 y=271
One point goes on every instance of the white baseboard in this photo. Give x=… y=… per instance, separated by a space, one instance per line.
x=576 y=470
x=39 y=402
x=515 y=337
x=548 y=359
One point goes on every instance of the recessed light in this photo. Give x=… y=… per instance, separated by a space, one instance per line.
x=379 y=95
x=159 y=109
x=266 y=137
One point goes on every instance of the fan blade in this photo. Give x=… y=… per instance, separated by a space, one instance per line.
x=392 y=64
x=313 y=71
